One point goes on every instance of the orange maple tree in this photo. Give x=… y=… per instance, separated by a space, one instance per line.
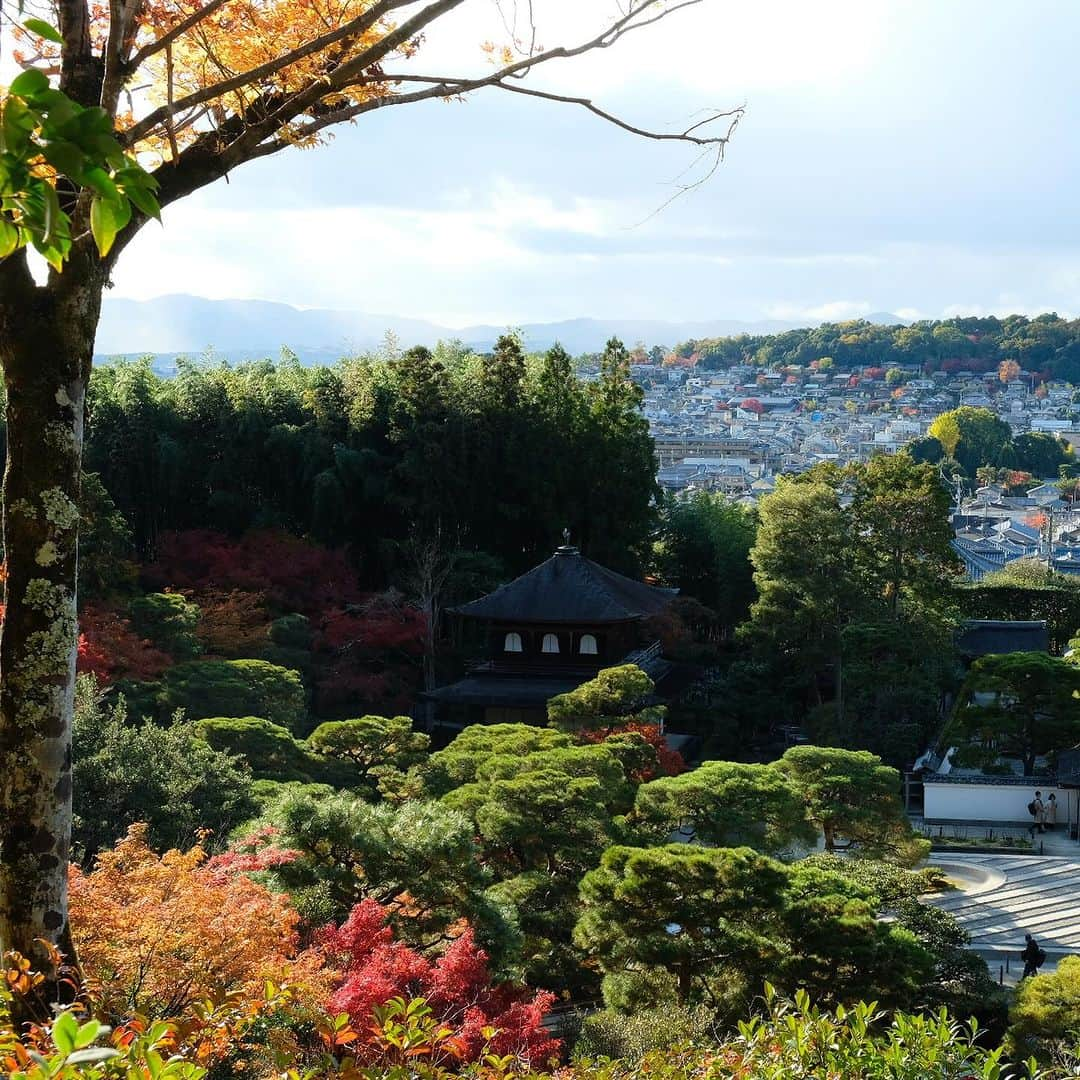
x=156 y=933
x=233 y=624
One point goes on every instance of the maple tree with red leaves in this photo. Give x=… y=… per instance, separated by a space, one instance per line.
x=382 y=623
x=110 y=649
x=369 y=654
x=668 y=762
x=254 y=853
x=294 y=574
x=457 y=986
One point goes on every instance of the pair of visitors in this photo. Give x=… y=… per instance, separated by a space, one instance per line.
x=1044 y=814
x=1033 y=957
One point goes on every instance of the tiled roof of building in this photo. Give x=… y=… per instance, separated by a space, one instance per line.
x=568 y=588
x=981 y=637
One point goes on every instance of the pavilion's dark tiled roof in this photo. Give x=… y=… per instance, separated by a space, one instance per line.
x=980 y=637
x=569 y=588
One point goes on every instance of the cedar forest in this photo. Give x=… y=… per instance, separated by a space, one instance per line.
x=226 y=846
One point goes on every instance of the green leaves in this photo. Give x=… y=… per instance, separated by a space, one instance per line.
x=9 y=238
x=107 y=218
x=29 y=84
x=44 y=30
x=45 y=135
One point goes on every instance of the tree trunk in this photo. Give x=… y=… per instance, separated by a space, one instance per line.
x=685 y=982
x=46 y=345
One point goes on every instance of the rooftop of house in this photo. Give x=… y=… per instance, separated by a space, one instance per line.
x=569 y=588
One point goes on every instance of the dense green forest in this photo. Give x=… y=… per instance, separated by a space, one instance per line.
x=1047 y=344
x=495 y=454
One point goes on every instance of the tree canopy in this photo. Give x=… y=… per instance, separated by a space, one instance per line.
x=1024 y=705
x=686 y=923
x=853 y=799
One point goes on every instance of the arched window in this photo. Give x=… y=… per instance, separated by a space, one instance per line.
x=512 y=643
x=587 y=645
x=550 y=644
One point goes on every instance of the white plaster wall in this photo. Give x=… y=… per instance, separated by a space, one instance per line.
x=991 y=802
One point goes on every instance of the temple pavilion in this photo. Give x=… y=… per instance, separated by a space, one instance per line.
x=549 y=631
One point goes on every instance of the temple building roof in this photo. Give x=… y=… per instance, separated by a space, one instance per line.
x=568 y=588
x=980 y=637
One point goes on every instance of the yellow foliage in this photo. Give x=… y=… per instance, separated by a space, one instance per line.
x=156 y=934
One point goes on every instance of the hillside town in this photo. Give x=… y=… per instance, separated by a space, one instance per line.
x=734 y=431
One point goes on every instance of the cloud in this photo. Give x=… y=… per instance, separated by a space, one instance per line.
x=833 y=311
x=725 y=48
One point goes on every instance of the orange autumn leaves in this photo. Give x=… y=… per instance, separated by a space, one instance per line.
x=157 y=933
x=245 y=36
x=237 y=58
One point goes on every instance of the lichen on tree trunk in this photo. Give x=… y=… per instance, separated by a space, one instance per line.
x=46 y=345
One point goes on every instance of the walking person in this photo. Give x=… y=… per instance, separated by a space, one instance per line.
x=1032 y=956
x=1033 y=808
x=1051 y=811
x=1040 y=812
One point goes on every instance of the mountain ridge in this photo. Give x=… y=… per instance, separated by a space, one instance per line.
x=182 y=324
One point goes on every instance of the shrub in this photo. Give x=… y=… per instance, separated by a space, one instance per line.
x=373 y=745
x=167 y=777
x=169 y=621
x=155 y=934
x=232 y=624
x=111 y=650
x=1046 y=1015
x=291 y=632
x=235 y=688
x=270 y=751
x=609 y=1034
x=457 y=986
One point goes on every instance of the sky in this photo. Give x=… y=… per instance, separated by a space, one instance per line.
x=917 y=157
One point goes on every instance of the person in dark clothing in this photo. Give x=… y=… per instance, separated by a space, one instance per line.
x=1032 y=956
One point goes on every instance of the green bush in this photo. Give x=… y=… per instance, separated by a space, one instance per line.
x=610 y=1034
x=271 y=752
x=1046 y=1014
x=291 y=631
x=169 y=621
x=206 y=688
x=167 y=777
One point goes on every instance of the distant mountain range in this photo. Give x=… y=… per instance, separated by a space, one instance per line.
x=181 y=325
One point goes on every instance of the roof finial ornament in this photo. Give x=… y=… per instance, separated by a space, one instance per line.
x=566 y=537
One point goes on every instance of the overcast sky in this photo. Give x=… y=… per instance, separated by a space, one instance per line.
x=920 y=157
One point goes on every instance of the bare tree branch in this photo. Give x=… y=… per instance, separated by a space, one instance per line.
x=351 y=73
x=275 y=120
x=447 y=86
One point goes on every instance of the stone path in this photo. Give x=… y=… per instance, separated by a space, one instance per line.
x=1002 y=897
